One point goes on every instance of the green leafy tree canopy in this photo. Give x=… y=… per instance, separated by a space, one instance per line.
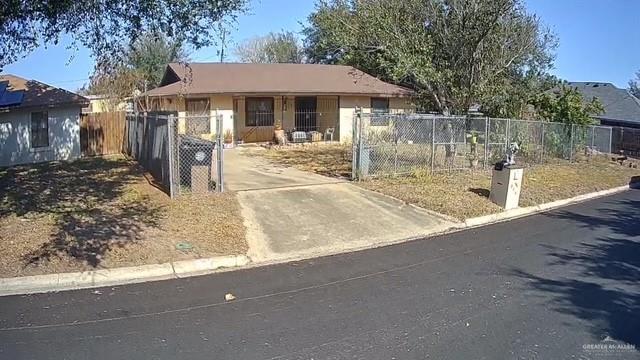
x=567 y=105
x=108 y=27
x=454 y=53
x=141 y=68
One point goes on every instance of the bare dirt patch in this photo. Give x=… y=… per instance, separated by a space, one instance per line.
x=465 y=194
x=102 y=213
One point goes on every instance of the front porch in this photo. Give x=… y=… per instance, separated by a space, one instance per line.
x=303 y=118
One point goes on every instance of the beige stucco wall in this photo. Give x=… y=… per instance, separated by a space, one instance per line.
x=218 y=104
x=106 y=105
x=332 y=112
x=349 y=104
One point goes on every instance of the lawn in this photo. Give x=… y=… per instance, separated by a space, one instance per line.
x=103 y=213
x=464 y=194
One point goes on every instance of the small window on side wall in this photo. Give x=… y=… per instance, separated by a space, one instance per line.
x=198 y=119
x=379 y=112
x=39 y=129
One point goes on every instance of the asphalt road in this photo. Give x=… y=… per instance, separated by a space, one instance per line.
x=549 y=286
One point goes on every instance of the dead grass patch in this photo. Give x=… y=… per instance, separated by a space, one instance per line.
x=465 y=194
x=332 y=160
x=102 y=213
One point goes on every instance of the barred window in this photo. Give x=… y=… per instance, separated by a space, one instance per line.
x=198 y=119
x=379 y=112
x=259 y=112
x=39 y=129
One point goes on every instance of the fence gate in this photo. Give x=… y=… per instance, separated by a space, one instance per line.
x=184 y=154
x=102 y=133
x=196 y=154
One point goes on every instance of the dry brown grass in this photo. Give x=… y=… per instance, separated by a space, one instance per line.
x=465 y=194
x=102 y=213
x=332 y=160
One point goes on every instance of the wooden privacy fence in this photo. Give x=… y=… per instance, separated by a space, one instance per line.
x=102 y=133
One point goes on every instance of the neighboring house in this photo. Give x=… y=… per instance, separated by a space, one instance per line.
x=253 y=99
x=621 y=108
x=103 y=103
x=38 y=122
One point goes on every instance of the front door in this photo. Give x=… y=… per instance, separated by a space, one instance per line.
x=306 y=119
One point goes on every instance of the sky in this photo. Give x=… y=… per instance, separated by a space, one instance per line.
x=598 y=40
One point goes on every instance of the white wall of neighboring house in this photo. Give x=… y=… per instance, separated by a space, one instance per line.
x=15 y=136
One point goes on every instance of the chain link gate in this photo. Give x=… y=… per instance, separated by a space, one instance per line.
x=196 y=154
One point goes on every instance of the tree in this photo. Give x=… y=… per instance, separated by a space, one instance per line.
x=141 y=68
x=634 y=85
x=149 y=56
x=272 y=48
x=107 y=27
x=453 y=53
x=115 y=85
x=567 y=105
x=515 y=99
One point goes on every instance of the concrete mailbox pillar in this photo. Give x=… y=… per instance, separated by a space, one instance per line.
x=505 y=186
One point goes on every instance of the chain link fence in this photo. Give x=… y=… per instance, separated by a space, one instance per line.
x=626 y=141
x=389 y=144
x=184 y=154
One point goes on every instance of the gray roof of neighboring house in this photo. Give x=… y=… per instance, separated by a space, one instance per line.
x=16 y=93
x=239 y=78
x=619 y=104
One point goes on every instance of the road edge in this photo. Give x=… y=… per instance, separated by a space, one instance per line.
x=118 y=276
x=186 y=268
x=530 y=210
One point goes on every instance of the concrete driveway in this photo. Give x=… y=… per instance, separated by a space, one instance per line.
x=295 y=214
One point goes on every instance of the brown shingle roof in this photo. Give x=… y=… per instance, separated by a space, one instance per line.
x=37 y=94
x=230 y=78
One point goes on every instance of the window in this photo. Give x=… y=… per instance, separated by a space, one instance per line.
x=39 y=129
x=379 y=111
x=259 y=112
x=198 y=119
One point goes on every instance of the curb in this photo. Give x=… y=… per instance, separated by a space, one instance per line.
x=117 y=276
x=186 y=268
x=530 y=210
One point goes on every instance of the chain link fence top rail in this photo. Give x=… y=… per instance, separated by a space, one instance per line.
x=388 y=144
